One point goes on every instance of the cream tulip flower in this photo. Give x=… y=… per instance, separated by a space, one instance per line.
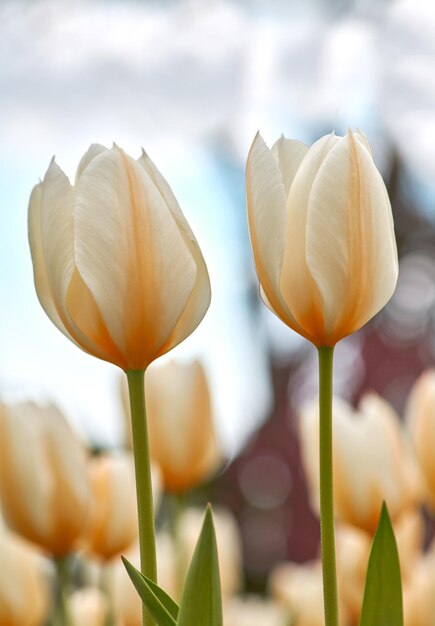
x=116 y=267
x=88 y=607
x=419 y=593
x=24 y=589
x=372 y=462
x=299 y=588
x=254 y=610
x=44 y=488
x=111 y=526
x=322 y=234
x=182 y=435
x=420 y=418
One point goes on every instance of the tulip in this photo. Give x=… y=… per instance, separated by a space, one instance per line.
x=321 y=233
x=253 y=610
x=371 y=461
x=43 y=478
x=419 y=593
x=420 y=418
x=88 y=607
x=353 y=550
x=299 y=588
x=183 y=440
x=24 y=593
x=116 y=267
x=112 y=522
x=118 y=270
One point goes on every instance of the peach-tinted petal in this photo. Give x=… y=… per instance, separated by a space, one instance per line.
x=350 y=245
x=200 y=296
x=123 y=234
x=296 y=283
x=288 y=154
x=94 y=150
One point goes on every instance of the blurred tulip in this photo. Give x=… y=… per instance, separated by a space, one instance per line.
x=112 y=522
x=254 y=610
x=371 y=461
x=126 y=601
x=409 y=530
x=116 y=267
x=44 y=486
x=88 y=607
x=419 y=593
x=322 y=234
x=300 y=589
x=420 y=417
x=182 y=435
x=353 y=550
x=24 y=592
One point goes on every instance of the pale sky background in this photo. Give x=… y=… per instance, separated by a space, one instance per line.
x=192 y=82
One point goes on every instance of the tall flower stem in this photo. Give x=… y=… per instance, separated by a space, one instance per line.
x=326 y=355
x=136 y=388
x=61 y=610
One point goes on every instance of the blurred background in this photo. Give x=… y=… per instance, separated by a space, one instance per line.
x=192 y=81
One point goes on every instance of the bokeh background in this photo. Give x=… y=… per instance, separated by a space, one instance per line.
x=192 y=81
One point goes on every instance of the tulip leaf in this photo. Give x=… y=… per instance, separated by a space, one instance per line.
x=161 y=606
x=382 y=603
x=201 y=602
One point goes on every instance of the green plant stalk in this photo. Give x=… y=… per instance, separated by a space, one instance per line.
x=177 y=502
x=136 y=388
x=326 y=355
x=61 y=610
x=106 y=588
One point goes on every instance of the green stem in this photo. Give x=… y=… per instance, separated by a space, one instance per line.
x=136 y=388
x=106 y=588
x=326 y=355
x=61 y=612
x=177 y=502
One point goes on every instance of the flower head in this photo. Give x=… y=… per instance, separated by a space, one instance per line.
x=116 y=266
x=322 y=234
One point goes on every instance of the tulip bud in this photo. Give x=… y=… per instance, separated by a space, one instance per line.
x=112 y=522
x=24 y=593
x=182 y=435
x=88 y=607
x=321 y=233
x=253 y=610
x=116 y=267
x=420 y=417
x=43 y=479
x=371 y=461
x=353 y=550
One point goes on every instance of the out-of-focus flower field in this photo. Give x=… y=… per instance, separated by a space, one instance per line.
x=232 y=413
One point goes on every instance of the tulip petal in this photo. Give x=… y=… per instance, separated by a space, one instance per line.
x=288 y=154
x=296 y=284
x=350 y=246
x=94 y=150
x=266 y=216
x=200 y=296
x=22 y=489
x=38 y=258
x=122 y=255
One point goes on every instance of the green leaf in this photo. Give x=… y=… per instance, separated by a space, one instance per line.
x=382 y=604
x=201 y=602
x=161 y=606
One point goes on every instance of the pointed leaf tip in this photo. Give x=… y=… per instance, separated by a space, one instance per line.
x=382 y=603
x=161 y=606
